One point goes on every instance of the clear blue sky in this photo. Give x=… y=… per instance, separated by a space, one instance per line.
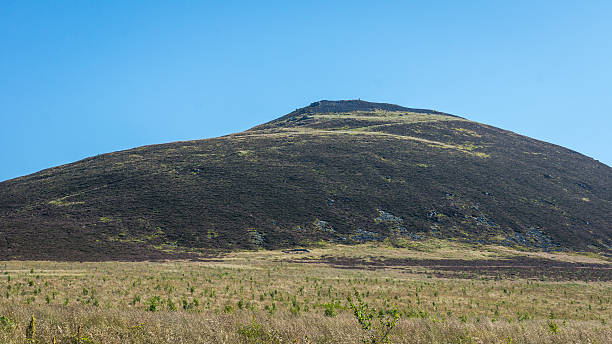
x=80 y=78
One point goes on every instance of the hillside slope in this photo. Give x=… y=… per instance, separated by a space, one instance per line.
x=341 y=171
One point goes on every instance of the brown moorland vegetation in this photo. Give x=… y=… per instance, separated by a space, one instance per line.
x=339 y=171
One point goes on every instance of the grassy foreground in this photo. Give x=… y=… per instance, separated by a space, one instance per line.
x=485 y=295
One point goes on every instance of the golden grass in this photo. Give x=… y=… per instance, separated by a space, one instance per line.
x=62 y=203
x=128 y=326
x=466 y=149
x=267 y=296
x=387 y=116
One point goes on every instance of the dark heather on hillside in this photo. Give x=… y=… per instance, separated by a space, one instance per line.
x=338 y=171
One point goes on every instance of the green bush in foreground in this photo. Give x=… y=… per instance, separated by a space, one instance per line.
x=378 y=332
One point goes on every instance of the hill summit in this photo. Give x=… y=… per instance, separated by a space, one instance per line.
x=326 y=106
x=346 y=171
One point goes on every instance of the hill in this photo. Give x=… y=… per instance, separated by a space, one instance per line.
x=338 y=171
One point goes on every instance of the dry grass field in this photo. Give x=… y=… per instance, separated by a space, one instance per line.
x=443 y=292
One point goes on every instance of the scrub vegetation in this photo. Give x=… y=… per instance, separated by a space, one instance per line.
x=345 y=172
x=429 y=291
